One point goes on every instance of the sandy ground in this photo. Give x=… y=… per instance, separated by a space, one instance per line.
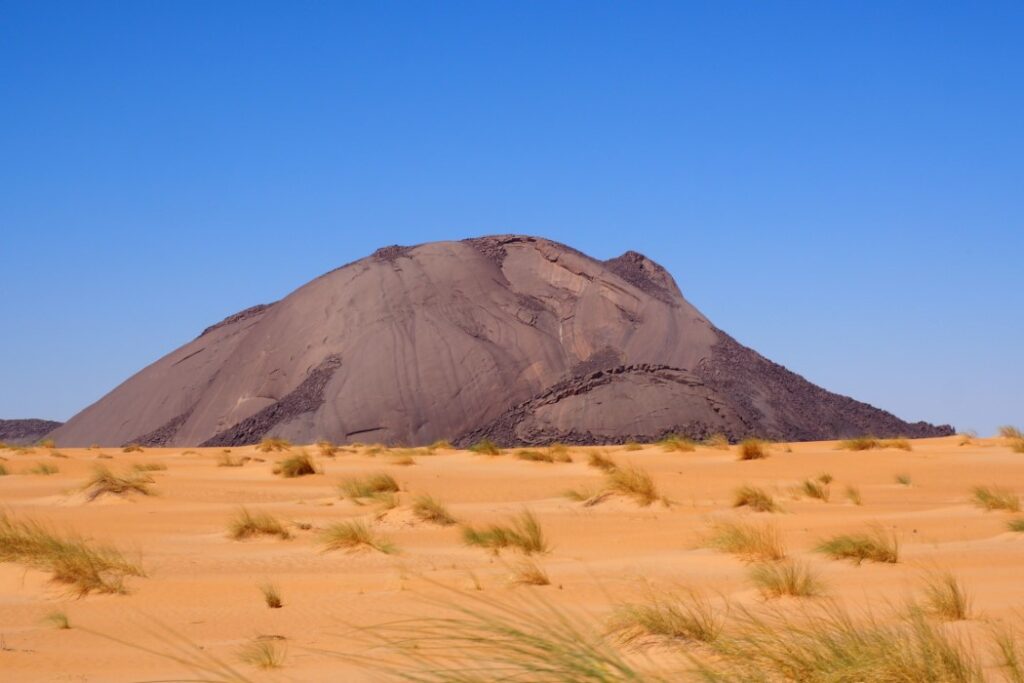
x=204 y=587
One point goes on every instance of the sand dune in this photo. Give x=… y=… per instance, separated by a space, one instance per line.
x=205 y=587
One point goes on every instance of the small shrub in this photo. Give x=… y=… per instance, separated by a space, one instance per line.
x=632 y=482
x=753 y=449
x=946 y=598
x=299 y=465
x=632 y=446
x=225 y=459
x=579 y=495
x=601 y=462
x=132 y=448
x=529 y=573
x=429 y=509
x=996 y=498
x=717 y=441
x=104 y=482
x=877 y=546
x=326 y=448
x=853 y=495
x=750 y=541
x=357 y=488
x=534 y=456
x=901 y=444
x=825 y=478
x=271 y=596
x=59 y=620
x=903 y=479
x=776 y=579
x=3 y=470
x=44 y=469
x=1010 y=432
x=247 y=524
x=673 y=443
x=355 y=535
x=666 y=618
x=814 y=489
x=263 y=654
x=862 y=443
x=522 y=533
x=485 y=447
x=273 y=445
x=756 y=499
x=1016 y=525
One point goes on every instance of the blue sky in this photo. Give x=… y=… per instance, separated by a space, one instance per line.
x=839 y=185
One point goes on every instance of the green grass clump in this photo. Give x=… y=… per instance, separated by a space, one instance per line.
x=429 y=509
x=522 y=533
x=877 y=546
x=756 y=499
x=263 y=654
x=299 y=465
x=666 y=619
x=861 y=443
x=485 y=447
x=84 y=566
x=601 y=462
x=753 y=449
x=246 y=524
x=996 y=498
x=355 y=535
x=753 y=542
x=272 y=445
x=632 y=482
x=673 y=443
x=104 y=482
x=271 y=596
x=946 y=598
x=777 y=579
x=815 y=489
x=370 y=486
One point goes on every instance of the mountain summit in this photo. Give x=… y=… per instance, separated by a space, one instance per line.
x=514 y=338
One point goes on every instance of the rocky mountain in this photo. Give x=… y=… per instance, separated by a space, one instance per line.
x=27 y=431
x=514 y=338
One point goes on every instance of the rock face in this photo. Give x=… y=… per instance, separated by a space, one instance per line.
x=23 y=432
x=513 y=338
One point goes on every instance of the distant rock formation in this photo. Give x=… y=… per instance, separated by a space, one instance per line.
x=22 y=432
x=518 y=339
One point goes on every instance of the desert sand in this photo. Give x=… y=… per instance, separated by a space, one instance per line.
x=203 y=586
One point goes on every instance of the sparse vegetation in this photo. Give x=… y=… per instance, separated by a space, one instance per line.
x=528 y=573
x=753 y=449
x=996 y=498
x=440 y=445
x=1016 y=525
x=44 y=469
x=46 y=443
x=132 y=448
x=876 y=545
x=580 y=495
x=326 y=449
x=946 y=598
x=901 y=444
x=72 y=560
x=903 y=479
x=666 y=618
x=718 y=441
x=263 y=654
x=861 y=443
x=853 y=495
x=298 y=465
x=815 y=489
x=632 y=446
x=246 y=524
x=1014 y=436
x=485 y=447
x=789 y=577
x=673 y=443
x=748 y=540
x=825 y=478
x=370 y=486
x=429 y=509
x=534 y=456
x=225 y=459
x=756 y=499
x=559 y=452
x=273 y=445
x=105 y=482
x=632 y=482
x=149 y=467
x=522 y=533
x=271 y=596
x=403 y=460
x=59 y=620
x=3 y=470
x=355 y=535
x=601 y=461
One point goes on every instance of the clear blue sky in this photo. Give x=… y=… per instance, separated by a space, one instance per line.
x=838 y=184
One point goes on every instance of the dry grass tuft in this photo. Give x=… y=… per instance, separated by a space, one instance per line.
x=673 y=443
x=529 y=573
x=946 y=598
x=370 y=486
x=441 y=445
x=601 y=462
x=404 y=460
x=271 y=596
x=46 y=443
x=299 y=465
x=71 y=559
x=1016 y=525
x=901 y=444
x=996 y=498
x=44 y=469
x=877 y=546
x=1014 y=436
x=861 y=443
x=485 y=447
x=756 y=499
x=105 y=482
x=263 y=654
x=132 y=448
x=534 y=456
x=247 y=524
x=355 y=535
x=632 y=482
x=429 y=509
x=903 y=479
x=225 y=459
x=718 y=441
x=789 y=577
x=632 y=446
x=753 y=449
x=750 y=541
x=59 y=620
x=665 y=619
x=149 y=467
x=273 y=445
x=814 y=489
x=522 y=533
x=853 y=495
x=326 y=449
x=3 y=470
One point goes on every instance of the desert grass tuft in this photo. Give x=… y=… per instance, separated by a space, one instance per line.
x=404 y=460
x=46 y=443
x=750 y=541
x=522 y=533
x=441 y=445
x=901 y=444
x=528 y=573
x=601 y=461
x=673 y=443
x=1014 y=436
x=853 y=495
x=534 y=456
x=105 y=482
x=299 y=465
x=263 y=654
x=225 y=459
x=632 y=482
x=149 y=467
x=995 y=498
x=132 y=448
x=666 y=618
x=1016 y=525
x=3 y=470
x=430 y=509
x=946 y=598
x=756 y=499
x=753 y=449
x=326 y=449
x=826 y=478
x=815 y=489
x=786 y=578
x=273 y=445
x=485 y=447
x=86 y=567
x=370 y=486
x=44 y=469
x=876 y=545
x=355 y=535
x=271 y=596
x=632 y=446
x=246 y=524
x=861 y=443
x=904 y=479
x=717 y=441
x=559 y=452
x=59 y=620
